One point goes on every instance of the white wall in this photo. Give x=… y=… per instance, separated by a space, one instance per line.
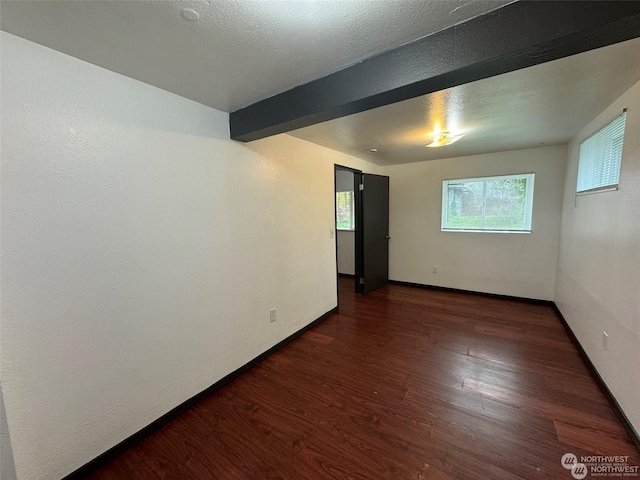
x=509 y=264
x=7 y=469
x=344 y=181
x=346 y=252
x=141 y=252
x=598 y=280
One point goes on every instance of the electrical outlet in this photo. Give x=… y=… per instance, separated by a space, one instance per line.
x=605 y=340
x=435 y=269
x=272 y=315
x=332 y=233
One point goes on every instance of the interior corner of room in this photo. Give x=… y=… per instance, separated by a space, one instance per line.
x=146 y=255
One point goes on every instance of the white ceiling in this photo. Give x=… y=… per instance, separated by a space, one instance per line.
x=242 y=51
x=239 y=51
x=543 y=105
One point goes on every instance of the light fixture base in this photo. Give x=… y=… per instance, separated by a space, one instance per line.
x=443 y=139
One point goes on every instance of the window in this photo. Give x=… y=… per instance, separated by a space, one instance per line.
x=345 y=217
x=600 y=157
x=494 y=204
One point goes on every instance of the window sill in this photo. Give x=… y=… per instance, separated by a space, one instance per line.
x=609 y=188
x=344 y=230
x=461 y=230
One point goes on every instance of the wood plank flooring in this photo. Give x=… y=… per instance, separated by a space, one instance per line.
x=403 y=383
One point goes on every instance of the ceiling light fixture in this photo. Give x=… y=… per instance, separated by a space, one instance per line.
x=442 y=139
x=372 y=150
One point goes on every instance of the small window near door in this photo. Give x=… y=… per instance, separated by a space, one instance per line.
x=600 y=158
x=345 y=216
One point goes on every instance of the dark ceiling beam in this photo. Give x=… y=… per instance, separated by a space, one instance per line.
x=518 y=35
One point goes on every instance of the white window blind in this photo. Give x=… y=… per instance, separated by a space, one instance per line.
x=600 y=157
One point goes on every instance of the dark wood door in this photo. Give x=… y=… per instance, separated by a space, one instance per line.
x=375 y=232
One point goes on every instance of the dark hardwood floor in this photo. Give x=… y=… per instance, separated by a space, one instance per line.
x=403 y=383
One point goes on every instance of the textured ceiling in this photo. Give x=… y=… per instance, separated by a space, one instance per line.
x=239 y=51
x=242 y=51
x=546 y=104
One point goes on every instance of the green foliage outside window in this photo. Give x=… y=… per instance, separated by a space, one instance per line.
x=344 y=211
x=492 y=203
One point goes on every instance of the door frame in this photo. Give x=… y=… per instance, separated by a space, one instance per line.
x=357 y=199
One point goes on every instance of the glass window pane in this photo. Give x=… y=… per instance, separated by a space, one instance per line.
x=464 y=205
x=505 y=202
x=345 y=218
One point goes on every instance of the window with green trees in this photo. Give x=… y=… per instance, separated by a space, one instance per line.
x=495 y=204
x=345 y=217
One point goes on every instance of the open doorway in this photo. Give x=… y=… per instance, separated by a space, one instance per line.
x=362 y=229
x=347 y=215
